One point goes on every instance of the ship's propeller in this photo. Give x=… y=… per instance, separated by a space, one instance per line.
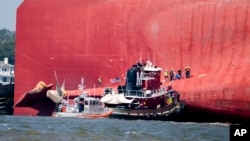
x=57 y=95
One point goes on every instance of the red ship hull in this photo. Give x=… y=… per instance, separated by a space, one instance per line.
x=94 y=37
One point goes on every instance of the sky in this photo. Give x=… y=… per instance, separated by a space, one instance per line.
x=8 y=13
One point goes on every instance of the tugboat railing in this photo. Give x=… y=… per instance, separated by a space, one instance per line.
x=145 y=93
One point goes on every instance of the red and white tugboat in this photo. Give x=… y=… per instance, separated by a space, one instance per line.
x=142 y=95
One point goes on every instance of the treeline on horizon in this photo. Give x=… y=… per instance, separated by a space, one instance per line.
x=7 y=45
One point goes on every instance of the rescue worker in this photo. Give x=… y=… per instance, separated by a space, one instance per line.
x=99 y=81
x=171 y=73
x=177 y=76
x=187 y=71
x=81 y=104
x=166 y=75
x=179 y=72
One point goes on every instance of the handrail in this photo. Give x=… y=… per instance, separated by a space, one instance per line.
x=142 y=93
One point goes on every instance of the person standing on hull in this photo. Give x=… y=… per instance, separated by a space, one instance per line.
x=187 y=72
x=99 y=81
x=166 y=75
x=171 y=73
x=179 y=75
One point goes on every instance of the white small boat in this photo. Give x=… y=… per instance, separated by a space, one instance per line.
x=83 y=107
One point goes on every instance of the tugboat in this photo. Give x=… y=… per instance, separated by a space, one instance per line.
x=142 y=95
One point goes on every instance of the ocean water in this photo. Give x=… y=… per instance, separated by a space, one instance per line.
x=27 y=128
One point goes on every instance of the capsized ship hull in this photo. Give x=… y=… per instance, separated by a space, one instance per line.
x=91 y=38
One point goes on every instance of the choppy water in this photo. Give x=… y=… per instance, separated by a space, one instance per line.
x=23 y=128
